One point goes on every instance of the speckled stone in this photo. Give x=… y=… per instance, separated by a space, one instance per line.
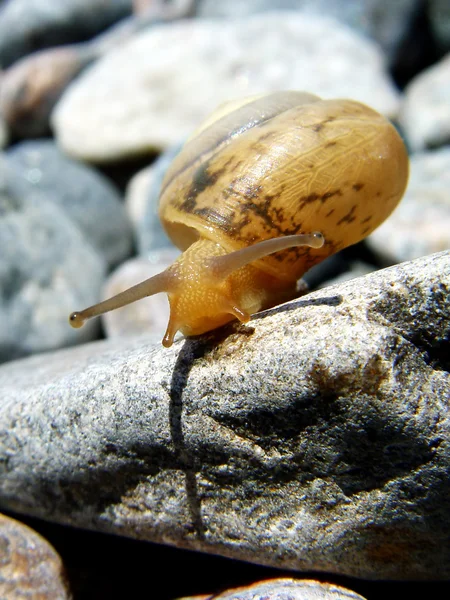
x=315 y=438
x=285 y=589
x=126 y=104
x=29 y=566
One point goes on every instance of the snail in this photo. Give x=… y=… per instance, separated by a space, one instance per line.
x=266 y=188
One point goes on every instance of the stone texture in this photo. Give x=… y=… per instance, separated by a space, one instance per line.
x=420 y=224
x=285 y=589
x=315 y=438
x=126 y=104
x=29 y=566
x=29 y=25
x=149 y=314
x=425 y=111
x=83 y=194
x=47 y=267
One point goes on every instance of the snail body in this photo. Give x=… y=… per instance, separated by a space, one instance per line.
x=248 y=194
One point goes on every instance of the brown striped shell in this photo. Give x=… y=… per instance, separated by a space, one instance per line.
x=281 y=164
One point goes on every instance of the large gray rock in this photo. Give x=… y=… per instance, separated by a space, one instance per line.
x=47 y=266
x=316 y=438
x=84 y=195
x=128 y=103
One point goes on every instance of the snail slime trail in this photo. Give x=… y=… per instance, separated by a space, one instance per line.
x=263 y=191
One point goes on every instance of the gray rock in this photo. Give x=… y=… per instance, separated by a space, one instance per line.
x=425 y=111
x=47 y=267
x=29 y=566
x=83 y=194
x=126 y=104
x=29 y=25
x=288 y=589
x=316 y=438
x=420 y=224
x=385 y=22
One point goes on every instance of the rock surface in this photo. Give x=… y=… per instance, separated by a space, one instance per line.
x=47 y=267
x=285 y=589
x=83 y=194
x=29 y=566
x=420 y=224
x=126 y=104
x=316 y=438
x=425 y=111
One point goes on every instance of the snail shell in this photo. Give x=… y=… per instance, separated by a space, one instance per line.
x=282 y=164
x=248 y=189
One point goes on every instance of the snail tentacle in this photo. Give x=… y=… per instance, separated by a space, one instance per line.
x=162 y=282
x=222 y=266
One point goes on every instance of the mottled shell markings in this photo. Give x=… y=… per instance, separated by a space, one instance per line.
x=248 y=193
